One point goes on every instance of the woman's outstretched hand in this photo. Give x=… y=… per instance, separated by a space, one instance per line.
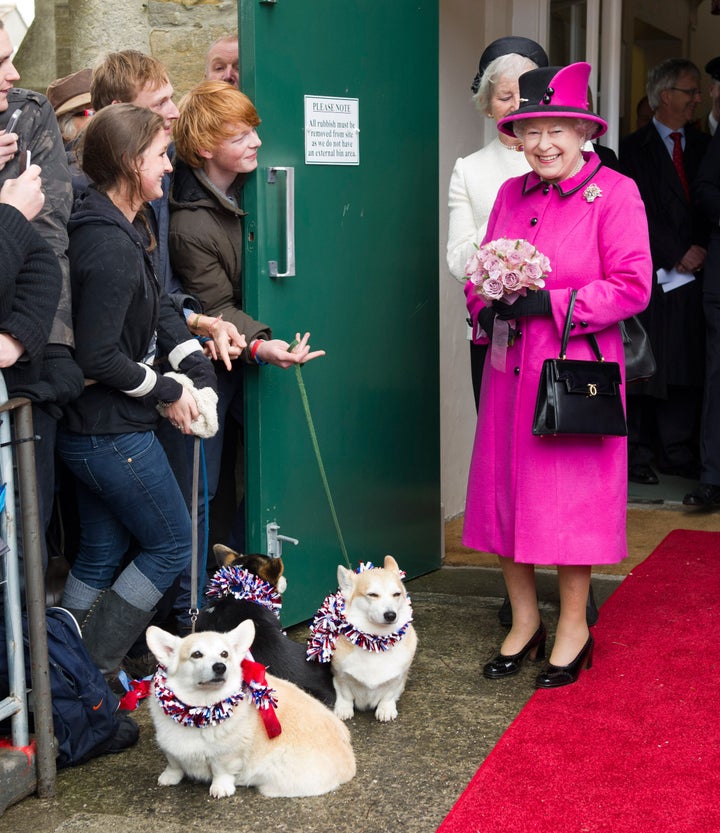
x=282 y=354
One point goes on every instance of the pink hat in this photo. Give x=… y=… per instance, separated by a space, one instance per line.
x=554 y=92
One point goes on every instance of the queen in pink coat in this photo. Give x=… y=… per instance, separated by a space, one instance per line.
x=554 y=500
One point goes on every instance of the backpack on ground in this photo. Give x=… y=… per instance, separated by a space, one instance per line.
x=85 y=713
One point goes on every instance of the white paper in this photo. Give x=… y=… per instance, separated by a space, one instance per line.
x=671 y=279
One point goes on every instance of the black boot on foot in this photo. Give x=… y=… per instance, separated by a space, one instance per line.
x=111 y=628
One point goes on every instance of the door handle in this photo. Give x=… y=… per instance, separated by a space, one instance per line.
x=289 y=223
x=274 y=540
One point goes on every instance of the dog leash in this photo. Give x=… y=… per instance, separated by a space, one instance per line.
x=198 y=447
x=318 y=456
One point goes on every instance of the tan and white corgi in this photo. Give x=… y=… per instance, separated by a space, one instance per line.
x=217 y=723
x=371 y=642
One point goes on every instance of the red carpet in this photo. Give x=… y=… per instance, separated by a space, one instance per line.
x=634 y=745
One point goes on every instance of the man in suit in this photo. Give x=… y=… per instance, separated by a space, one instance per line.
x=663 y=158
x=710 y=122
x=707 y=194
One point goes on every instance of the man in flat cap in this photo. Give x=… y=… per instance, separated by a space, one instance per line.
x=710 y=122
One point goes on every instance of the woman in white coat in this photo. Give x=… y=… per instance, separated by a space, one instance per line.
x=477 y=178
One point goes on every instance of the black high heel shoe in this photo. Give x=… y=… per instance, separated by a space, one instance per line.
x=554 y=676
x=505 y=666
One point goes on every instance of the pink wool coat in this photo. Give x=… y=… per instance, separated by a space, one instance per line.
x=558 y=500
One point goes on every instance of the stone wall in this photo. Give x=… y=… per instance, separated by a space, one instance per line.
x=67 y=35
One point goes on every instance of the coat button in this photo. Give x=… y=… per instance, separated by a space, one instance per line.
x=583 y=323
x=534 y=221
x=516 y=371
x=546 y=190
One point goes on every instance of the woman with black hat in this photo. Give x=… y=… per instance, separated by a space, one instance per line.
x=476 y=178
x=554 y=500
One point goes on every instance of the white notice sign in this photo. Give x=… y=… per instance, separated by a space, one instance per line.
x=332 y=130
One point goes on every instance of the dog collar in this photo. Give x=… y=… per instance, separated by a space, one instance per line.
x=244 y=585
x=330 y=623
x=254 y=684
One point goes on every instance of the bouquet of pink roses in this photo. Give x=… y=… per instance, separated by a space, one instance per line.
x=507 y=269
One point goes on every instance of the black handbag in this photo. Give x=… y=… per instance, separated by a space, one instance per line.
x=639 y=359
x=578 y=396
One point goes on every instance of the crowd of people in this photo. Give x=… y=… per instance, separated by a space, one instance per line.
x=629 y=235
x=123 y=320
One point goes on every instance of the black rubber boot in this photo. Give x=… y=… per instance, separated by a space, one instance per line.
x=111 y=628
x=78 y=615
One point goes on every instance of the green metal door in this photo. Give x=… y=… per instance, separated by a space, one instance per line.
x=345 y=198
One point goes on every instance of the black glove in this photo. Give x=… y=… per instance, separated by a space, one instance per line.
x=62 y=373
x=486 y=319
x=199 y=369
x=536 y=302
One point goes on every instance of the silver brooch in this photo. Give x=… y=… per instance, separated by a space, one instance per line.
x=591 y=193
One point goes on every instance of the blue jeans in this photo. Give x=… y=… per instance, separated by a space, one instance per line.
x=125 y=487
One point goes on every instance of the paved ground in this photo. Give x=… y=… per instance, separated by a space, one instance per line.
x=409 y=774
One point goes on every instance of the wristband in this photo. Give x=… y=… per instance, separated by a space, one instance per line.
x=253 y=352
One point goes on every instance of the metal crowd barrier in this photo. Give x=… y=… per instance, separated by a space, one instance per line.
x=24 y=767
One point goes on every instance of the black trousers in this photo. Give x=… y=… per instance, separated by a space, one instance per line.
x=664 y=431
x=477 y=362
x=710 y=420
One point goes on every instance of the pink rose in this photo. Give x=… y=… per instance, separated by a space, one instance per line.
x=477 y=278
x=512 y=281
x=493 y=289
x=473 y=263
x=492 y=264
x=532 y=271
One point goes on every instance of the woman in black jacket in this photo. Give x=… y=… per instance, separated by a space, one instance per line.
x=30 y=281
x=123 y=323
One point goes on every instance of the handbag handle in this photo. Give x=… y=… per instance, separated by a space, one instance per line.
x=568 y=326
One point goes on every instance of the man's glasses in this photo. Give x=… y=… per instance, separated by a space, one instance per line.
x=692 y=91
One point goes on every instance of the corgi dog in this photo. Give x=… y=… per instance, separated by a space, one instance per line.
x=365 y=632
x=250 y=587
x=218 y=719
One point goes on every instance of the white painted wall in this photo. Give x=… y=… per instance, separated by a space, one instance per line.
x=466 y=27
x=462 y=40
